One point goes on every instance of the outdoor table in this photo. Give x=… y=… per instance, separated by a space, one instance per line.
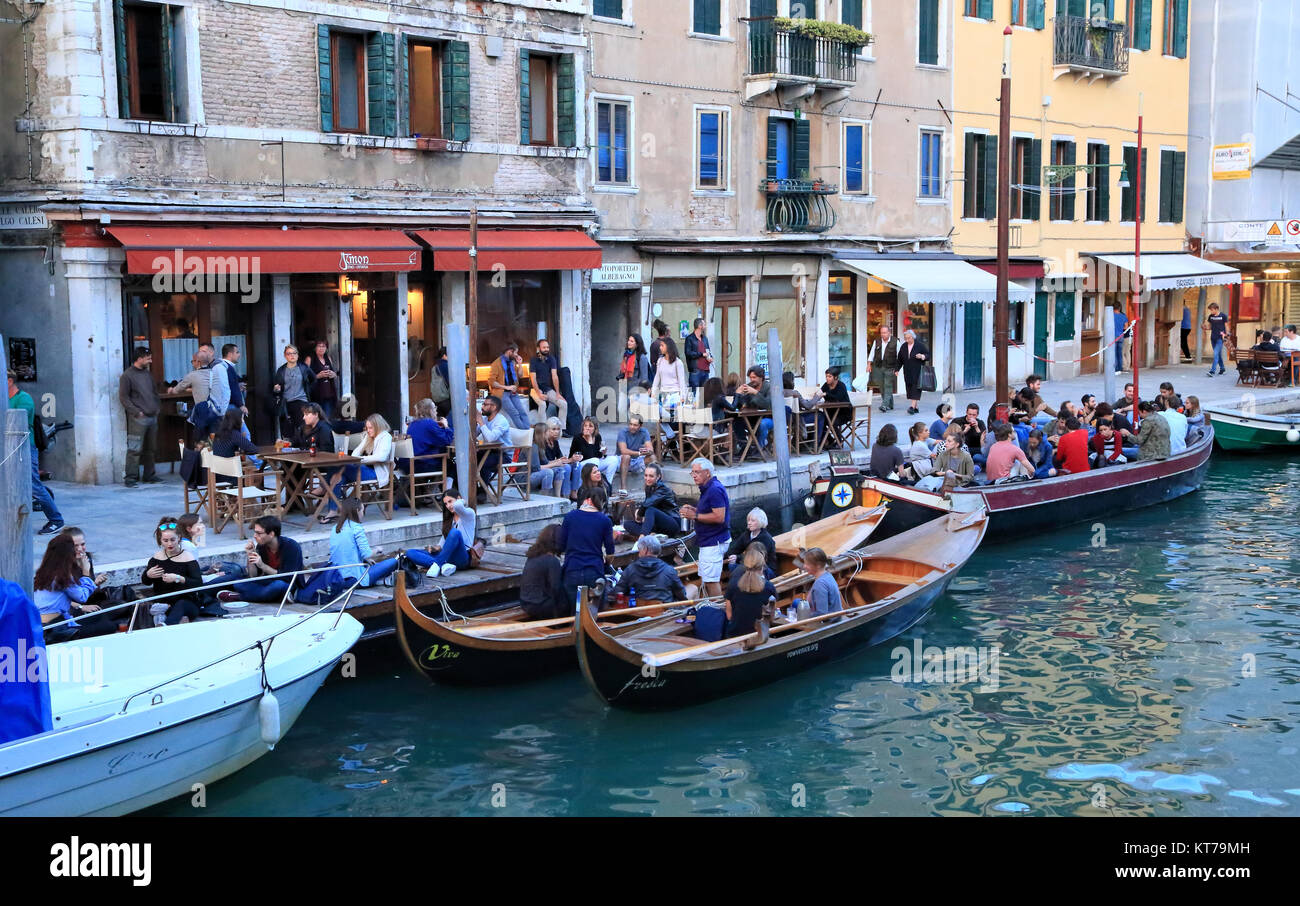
x=301 y=468
x=751 y=419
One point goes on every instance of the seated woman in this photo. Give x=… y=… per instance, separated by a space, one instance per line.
x=376 y=454
x=590 y=447
x=194 y=536
x=351 y=558
x=824 y=595
x=230 y=440
x=747 y=595
x=541 y=587
x=1192 y=407
x=62 y=592
x=1039 y=453
x=756 y=523
x=886 y=455
x=552 y=471
x=593 y=476
x=918 y=458
x=721 y=404
x=1106 y=447
x=953 y=466
x=170 y=569
x=454 y=552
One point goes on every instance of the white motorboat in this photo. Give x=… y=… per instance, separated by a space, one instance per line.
x=142 y=717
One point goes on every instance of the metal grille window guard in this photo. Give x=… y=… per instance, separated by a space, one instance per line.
x=783 y=52
x=799 y=205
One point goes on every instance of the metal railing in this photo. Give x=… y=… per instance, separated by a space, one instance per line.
x=1095 y=45
x=799 y=206
x=782 y=52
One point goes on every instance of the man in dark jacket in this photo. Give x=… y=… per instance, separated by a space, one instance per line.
x=659 y=508
x=882 y=365
x=269 y=555
x=650 y=578
x=139 y=397
x=697 y=354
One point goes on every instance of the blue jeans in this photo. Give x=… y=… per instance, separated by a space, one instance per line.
x=696 y=378
x=655 y=521
x=515 y=409
x=263 y=591
x=1131 y=453
x=379 y=572
x=347 y=475
x=764 y=431
x=454 y=551
x=40 y=493
x=322 y=588
x=1218 y=355
x=566 y=476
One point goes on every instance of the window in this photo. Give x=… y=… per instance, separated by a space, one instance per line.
x=927 y=51
x=851 y=12
x=1026 y=178
x=609 y=9
x=547 y=99
x=803 y=9
x=980 y=177
x=931 y=164
x=1139 y=24
x=707 y=19
x=348 y=63
x=711 y=149
x=1016 y=324
x=541 y=99
x=979 y=9
x=146 y=62
x=857 y=172
x=1173 y=166
x=1061 y=205
x=612 y=161
x=1028 y=13
x=1175 y=43
x=424 y=86
x=1098 y=202
x=1127 y=196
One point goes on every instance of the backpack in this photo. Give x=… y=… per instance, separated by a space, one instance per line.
x=710 y=622
x=439 y=392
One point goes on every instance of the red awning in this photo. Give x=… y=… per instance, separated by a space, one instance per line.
x=1016 y=270
x=516 y=250
x=268 y=250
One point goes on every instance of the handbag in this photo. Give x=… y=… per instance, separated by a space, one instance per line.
x=929 y=383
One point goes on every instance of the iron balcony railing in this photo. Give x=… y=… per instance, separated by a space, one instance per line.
x=781 y=52
x=1094 y=45
x=799 y=205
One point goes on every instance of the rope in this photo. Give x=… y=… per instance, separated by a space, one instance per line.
x=1091 y=355
x=16 y=450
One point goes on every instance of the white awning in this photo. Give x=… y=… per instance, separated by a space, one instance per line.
x=1176 y=271
x=938 y=282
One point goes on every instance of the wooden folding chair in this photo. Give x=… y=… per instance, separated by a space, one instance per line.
x=701 y=436
x=372 y=490
x=235 y=493
x=516 y=467
x=861 y=419
x=425 y=478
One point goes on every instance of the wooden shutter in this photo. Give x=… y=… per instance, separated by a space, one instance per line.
x=772 y=126
x=1034 y=179
x=990 y=177
x=1038 y=14
x=851 y=12
x=1142 y=196
x=971 y=206
x=1142 y=26
x=985 y=9
x=1180 y=28
x=1166 y=186
x=802 y=148
x=119 y=49
x=1071 y=185
x=928 y=33
x=381 y=83
x=1103 y=184
x=167 y=52
x=455 y=91
x=1127 y=195
x=326 y=78
x=525 y=105
x=708 y=17
x=566 y=114
x=1178 y=184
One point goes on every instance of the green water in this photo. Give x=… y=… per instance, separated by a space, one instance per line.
x=1119 y=690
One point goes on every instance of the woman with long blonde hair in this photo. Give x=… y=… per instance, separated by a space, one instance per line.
x=376 y=454
x=747 y=595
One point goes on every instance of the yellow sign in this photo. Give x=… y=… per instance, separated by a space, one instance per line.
x=1232 y=161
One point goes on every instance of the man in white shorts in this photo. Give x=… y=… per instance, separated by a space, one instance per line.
x=712 y=517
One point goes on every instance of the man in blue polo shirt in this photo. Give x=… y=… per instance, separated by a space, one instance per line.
x=712 y=517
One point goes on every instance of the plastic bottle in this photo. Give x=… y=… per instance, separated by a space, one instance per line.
x=631 y=599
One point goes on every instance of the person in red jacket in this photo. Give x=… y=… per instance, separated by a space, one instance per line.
x=1107 y=446
x=1072 y=451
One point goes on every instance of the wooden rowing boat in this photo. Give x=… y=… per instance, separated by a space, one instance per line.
x=1256 y=427
x=504 y=645
x=888 y=587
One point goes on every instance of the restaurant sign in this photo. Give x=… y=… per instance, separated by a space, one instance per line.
x=613 y=273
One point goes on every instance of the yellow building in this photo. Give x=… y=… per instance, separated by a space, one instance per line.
x=1079 y=70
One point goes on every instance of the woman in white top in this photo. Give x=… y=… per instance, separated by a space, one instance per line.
x=670 y=376
x=376 y=454
x=918 y=455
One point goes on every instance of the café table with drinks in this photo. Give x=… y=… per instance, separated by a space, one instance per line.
x=308 y=471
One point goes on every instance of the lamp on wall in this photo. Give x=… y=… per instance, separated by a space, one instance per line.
x=350 y=287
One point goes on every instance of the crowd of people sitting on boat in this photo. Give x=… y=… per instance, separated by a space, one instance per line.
x=1029 y=439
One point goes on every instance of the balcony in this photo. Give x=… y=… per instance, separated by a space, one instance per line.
x=1096 y=48
x=788 y=55
x=798 y=205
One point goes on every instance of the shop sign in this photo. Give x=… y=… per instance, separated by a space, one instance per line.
x=350 y=261
x=620 y=273
x=1232 y=161
x=22 y=217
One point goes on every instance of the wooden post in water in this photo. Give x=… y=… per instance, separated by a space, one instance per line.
x=462 y=424
x=1108 y=360
x=16 y=545
x=780 y=443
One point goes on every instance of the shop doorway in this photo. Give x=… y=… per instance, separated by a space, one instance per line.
x=1039 y=363
x=423 y=339
x=615 y=315
x=729 y=328
x=973 y=346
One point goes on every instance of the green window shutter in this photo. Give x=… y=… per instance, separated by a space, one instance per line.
x=1071 y=184
x=1180 y=28
x=771 y=147
x=1064 y=317
x=1179 y=184
x=455 y=91
x=985 y=9
x=928 y=33
x=566 y=114
x=525 y=107
x=119 y=49
x=1166 y=186
x=1142 y=27
x=168 y=31
x=708 y=17
x=1127 y=195
x=851 y=12
x=971 y=207
x=326 y=78
x=1038 y=14
x=381 y=84
x=1033 y=199
x=990 y=177
x=403 y=85
x=1142 y=198
x=802 y=147
x=1103 y=184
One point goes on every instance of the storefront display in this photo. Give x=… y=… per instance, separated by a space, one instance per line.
x=840 y=311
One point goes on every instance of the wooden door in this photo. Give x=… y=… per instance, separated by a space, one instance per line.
x=973 y=346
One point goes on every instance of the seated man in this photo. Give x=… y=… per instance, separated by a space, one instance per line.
x=1005 y=458
x=756 y=393
x=650 y=578
x=1039 y=412
x=658 y=512
x=1177 y=426
x=493 y=428
x=1289 y=347
x=1106 y=446
x=634 y=449
x=1169 y=398
x=1072 y=451
x=1152 y=434
x=269 y=554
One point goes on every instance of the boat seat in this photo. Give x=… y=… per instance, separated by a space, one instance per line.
x=887 y=578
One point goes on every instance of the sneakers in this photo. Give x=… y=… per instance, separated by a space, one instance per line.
x=153 y=479
x=1210 y=373
x=51 y=527
x=227 y=596
x=158 y=612
x=130 y=482
x=448 y=569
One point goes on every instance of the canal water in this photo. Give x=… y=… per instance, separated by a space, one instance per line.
x=1146 y=665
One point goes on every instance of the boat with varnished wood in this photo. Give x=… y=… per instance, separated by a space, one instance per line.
x=504 y=644
x=888 y=587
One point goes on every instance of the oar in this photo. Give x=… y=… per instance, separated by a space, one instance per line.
x=502 y=628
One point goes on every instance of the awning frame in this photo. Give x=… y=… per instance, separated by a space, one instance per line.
x=981 y=287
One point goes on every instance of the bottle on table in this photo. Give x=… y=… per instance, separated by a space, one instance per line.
x=312 y=452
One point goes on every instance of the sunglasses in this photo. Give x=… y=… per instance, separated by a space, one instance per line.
x=166 y=525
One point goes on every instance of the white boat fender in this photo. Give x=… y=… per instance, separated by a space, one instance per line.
x=1293 y=435
x=268 y=716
